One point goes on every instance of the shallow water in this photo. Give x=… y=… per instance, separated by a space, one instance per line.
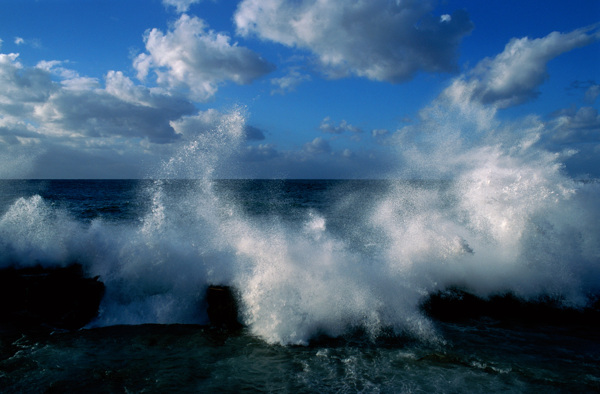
x=476 y=357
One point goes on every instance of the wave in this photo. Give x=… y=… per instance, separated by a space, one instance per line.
x=507 y=221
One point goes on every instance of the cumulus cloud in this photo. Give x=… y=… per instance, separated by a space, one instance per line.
x=200 y=123
x=209 y=121
x=49 y=110
x=79 y=107
x=195 y=60
x=21 y=87
x=19 y=40
x=180 y=5
x=327 y=126
x=101 y=114
x=376 y=39
x=56 y=123
x=513 y=76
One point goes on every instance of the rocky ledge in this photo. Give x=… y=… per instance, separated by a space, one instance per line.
x=57 y=297
x=455 y=304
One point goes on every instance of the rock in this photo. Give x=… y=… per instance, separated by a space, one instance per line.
x=456 y=304
x=59 y=297
x=222 y=307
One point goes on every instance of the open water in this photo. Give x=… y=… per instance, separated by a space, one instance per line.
x=331 y=277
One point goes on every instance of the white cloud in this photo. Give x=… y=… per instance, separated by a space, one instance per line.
x=201 y=123
x=19 y=41
x=460 y=132
x=376 y=39
x=51 y=118
x=513 y=76
x=110 y=112
x=20 y=87
x=56 y=68
x=196 y=60
x=80 y=83
x=327 y=127
x=210 y=121
x=579 y=126
x=180 y=5
x=56 y=123
x=71 y=80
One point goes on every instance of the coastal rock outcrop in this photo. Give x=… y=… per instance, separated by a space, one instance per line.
x=455 y=304
x=57 y=297
x=222 y=307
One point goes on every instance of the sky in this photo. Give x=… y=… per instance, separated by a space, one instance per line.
x=293 y=89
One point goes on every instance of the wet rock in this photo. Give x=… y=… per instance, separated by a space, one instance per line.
x=222 y=307
x=455 y=304
x=59 y=297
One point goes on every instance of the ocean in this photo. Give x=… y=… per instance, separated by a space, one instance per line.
x=393 y=286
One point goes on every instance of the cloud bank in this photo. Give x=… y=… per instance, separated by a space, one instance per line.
x=49 y=110
x=56 y=123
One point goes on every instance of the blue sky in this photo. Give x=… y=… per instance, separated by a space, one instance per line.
x=327 y=89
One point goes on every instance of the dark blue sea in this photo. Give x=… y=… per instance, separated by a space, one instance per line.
x=445 y=286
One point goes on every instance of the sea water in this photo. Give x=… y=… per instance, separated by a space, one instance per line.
x=331 y=277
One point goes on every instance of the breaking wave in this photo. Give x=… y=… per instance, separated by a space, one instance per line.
x=499 y=217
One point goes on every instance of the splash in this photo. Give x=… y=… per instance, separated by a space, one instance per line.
x=489 y=211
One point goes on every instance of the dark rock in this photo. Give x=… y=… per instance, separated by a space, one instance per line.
x=60 y=297
x=455 y=304
x=222 y=307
